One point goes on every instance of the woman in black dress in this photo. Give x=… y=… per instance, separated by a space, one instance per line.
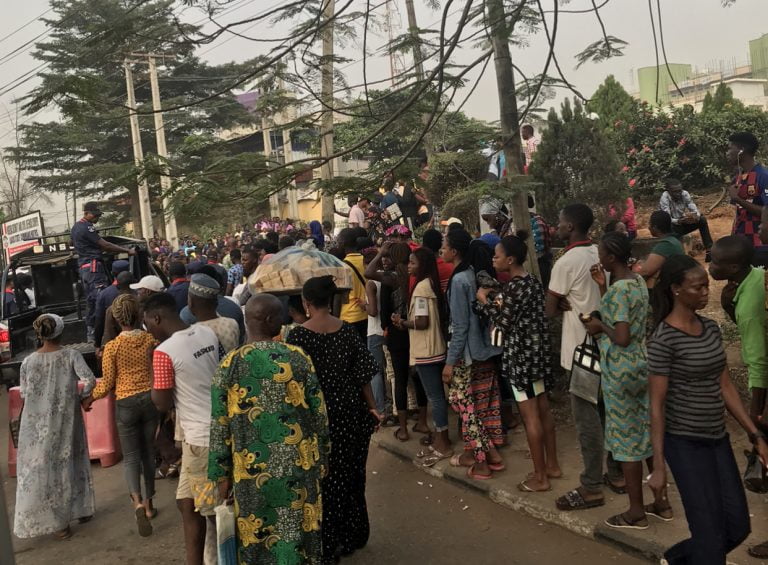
x=344 y=368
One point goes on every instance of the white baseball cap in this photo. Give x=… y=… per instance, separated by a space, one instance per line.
x=150 y=282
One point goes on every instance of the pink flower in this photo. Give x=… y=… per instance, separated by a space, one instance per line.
x=631 y=127
x=617 y=123
x=624 y=169
x=681 y=142
x=632 y=183
x=646 y=149
x=632 y=151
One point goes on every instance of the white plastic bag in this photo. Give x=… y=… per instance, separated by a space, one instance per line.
x=225 y=534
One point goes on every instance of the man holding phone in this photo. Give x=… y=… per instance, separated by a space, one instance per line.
x=685 y=215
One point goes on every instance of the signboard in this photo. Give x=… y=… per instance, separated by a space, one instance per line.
x=22 y=233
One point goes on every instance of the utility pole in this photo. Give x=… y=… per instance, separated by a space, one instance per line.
x=274 y=199
x=293 y=198
x=171 y=233
x=145 y=229
x=418 y=60
x=510 y=123
x=326 y=95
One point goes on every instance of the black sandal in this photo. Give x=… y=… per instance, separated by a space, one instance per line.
x=620 y=521
x=664 y=514
x=759 y=551
x=573 y=500
x=613 y=486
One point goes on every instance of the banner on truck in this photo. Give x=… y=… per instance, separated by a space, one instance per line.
x=22 y=233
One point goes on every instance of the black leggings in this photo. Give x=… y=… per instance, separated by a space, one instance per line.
x=402 y=370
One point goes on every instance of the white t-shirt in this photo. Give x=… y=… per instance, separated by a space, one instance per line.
x=356 y=216
x=186 y=362
x=571 y=278
x=374 y=322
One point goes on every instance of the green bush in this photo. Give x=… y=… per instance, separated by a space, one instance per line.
x=576 y=162
x=450 y=172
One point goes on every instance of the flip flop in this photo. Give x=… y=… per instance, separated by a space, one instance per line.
x=496 y=467
x=435 y=457
x=456 y=461
x=472 y=475
x=522 y=486
x=398 y=438
x=64 y=534
x=142 y=521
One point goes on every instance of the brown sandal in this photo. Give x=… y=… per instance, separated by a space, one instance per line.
x=64 y=534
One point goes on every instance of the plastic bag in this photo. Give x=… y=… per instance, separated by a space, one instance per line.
x=225 y=534
x=288 y=270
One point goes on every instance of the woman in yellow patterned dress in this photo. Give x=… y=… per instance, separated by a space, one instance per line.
x=270 y=440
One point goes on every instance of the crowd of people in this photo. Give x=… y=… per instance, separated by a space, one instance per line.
x=273 y=400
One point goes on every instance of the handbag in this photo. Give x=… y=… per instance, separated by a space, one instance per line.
x=585 y=374
x=754 y=474
x=226 y=540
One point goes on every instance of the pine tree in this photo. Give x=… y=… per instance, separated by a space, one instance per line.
x=722 y=99
x=88 y=152
x=612 y=103
x=576 y=162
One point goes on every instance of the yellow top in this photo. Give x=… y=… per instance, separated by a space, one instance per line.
x=126 y=365
x=353 y=311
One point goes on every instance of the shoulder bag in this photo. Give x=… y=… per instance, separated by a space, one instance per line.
x=585 y=374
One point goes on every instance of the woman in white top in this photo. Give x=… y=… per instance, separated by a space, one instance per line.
x=376 y=334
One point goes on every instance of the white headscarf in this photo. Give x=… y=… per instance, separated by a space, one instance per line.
x=58 y=320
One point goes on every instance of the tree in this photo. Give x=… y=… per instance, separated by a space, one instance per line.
x=612 y=103
x=722 y=99
x=87 y=153
x=576 y=162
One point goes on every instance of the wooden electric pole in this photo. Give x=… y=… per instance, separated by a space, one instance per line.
x=171 y=233
x=418 y=60
x=144 y=230
x=326 y=95
x=510 y=124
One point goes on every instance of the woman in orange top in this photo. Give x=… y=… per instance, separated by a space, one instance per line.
x=127 y=369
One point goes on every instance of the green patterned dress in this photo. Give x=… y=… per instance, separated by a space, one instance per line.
x=269 y=435
x=625 y=372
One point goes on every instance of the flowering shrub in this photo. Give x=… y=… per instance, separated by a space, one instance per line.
x=656 y=144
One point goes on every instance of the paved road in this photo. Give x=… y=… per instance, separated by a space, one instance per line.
x=412 y=523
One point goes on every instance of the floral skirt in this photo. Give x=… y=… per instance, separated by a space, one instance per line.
x=474 y=395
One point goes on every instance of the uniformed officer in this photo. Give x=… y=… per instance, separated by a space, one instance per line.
x=90 y=246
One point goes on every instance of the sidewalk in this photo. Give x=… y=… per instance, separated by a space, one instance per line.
x=502 y=489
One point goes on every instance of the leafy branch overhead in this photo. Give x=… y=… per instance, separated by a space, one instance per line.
x=601 y=50
x=391 y=121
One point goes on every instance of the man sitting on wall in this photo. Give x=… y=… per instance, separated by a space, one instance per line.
x=685 y=215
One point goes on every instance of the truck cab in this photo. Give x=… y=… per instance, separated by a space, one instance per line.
x=57 y=289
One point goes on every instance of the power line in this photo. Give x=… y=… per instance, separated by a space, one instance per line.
x=24 y=26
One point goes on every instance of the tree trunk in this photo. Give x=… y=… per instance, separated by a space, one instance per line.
x=418 y=60
x=510 y=124
x=326 y=127
x=133 y=192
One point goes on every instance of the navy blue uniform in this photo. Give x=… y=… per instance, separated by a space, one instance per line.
x=86 y=239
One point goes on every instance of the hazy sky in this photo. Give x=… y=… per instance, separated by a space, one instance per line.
x=699 y=32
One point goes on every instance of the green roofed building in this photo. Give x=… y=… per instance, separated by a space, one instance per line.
x=647 y=76
x=758 y=54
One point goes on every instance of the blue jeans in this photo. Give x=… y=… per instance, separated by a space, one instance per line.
x=713 y=497
x=378 y=383
x=432 y=380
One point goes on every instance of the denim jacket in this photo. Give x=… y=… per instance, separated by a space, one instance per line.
x=470 y=338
